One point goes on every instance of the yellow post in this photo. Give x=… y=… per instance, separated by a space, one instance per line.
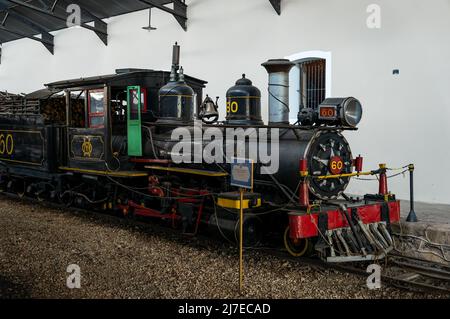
x=241 y=232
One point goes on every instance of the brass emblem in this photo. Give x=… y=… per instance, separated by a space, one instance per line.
x=87 y=147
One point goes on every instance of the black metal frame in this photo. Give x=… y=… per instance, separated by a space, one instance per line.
x=179 y=10
x=25 y=19
x=100 y=25
x=47 y=39
x=99 y=31
x=276 y=4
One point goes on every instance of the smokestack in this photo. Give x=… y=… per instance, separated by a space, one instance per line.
x=278 y=70
x=175 y=62
x=176 y=55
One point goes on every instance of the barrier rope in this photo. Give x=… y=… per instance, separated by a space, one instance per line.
x=358 y=175
x=390 y=176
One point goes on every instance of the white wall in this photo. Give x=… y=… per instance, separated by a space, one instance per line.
x=406 y=117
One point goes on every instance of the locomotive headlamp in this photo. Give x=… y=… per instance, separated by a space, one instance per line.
x=351 y=111
x=343 y=111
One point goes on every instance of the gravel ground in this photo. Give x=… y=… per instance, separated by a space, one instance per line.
x=124 y=259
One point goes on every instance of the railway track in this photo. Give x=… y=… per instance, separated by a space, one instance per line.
x=419 y=273
x=399 y=271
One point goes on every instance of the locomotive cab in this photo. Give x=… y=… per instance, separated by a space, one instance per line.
x=105 y=114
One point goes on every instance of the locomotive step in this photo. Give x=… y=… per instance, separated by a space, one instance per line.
x=189 y=171
x=126 y=174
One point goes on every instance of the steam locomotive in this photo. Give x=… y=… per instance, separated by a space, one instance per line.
x=113 y=143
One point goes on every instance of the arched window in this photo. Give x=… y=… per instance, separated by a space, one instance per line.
x=310 y=80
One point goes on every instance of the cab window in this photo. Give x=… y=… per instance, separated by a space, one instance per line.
x=134 y=107
x=96 y=99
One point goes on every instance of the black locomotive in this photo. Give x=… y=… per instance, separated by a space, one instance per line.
x=108 y=143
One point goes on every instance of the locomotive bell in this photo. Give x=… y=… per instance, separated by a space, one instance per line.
x=209 y=110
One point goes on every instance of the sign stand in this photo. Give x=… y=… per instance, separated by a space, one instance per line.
x=242 y=177
x=241 y=241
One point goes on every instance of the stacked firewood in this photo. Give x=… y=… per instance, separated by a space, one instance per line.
x=54 y=110
x=14 y=103
x=78 y=116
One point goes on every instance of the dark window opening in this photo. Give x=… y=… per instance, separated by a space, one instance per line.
x=96 y=108
x=119 y=110
x=312 y=83
x=144 y=102
x=77 y=109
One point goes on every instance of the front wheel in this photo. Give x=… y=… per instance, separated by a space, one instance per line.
x=296 y=247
